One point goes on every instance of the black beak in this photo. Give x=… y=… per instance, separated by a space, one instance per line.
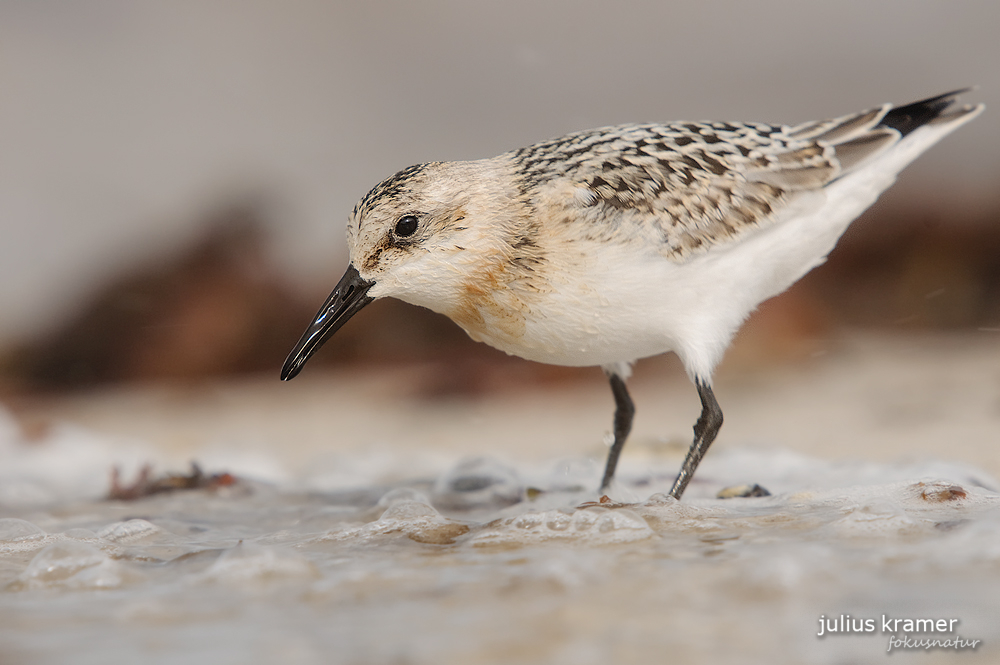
x=349 y=298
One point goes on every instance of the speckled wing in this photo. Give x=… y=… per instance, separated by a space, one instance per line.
x=691 y=186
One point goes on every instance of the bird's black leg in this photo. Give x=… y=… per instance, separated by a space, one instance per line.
x=704 y=434
x=624 y=411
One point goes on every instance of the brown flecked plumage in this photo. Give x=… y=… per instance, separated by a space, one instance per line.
x=613 y=244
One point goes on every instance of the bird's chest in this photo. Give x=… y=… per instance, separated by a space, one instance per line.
x=491 y=313
x=579 y=312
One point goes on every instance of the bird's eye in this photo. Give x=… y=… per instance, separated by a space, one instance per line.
x=406 y=226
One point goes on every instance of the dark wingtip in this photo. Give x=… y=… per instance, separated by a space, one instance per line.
x=907 y=118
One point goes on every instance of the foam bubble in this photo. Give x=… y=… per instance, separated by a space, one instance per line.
x=408 y=514
x=17 y=535
x=595 y=526
x=250 y=562
x=13 y=530
x=72 y=564
x=478 y=483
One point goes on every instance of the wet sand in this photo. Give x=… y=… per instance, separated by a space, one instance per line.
x=356 y=533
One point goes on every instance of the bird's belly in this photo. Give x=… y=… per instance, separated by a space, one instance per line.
x=586 y=347
x=581 y=341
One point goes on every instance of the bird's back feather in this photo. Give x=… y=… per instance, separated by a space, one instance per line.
x=691 y=186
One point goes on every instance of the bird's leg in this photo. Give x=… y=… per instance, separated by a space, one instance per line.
x=624 y=411
x=704 y=434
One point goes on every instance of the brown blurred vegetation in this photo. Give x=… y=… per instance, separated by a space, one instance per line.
x=220 y=307
x=915 y=268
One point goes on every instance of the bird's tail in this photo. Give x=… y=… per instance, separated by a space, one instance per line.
x=905 y=119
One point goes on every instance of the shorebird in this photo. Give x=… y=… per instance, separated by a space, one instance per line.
x=609 y=245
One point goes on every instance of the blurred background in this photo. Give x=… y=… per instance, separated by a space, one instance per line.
x=175 y=176
x=175 y=179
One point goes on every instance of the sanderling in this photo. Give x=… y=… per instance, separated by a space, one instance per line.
x=605 y=246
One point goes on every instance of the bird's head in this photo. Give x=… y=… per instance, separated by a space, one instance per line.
x=414 y=237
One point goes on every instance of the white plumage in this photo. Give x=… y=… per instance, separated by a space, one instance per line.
x=614 y=244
